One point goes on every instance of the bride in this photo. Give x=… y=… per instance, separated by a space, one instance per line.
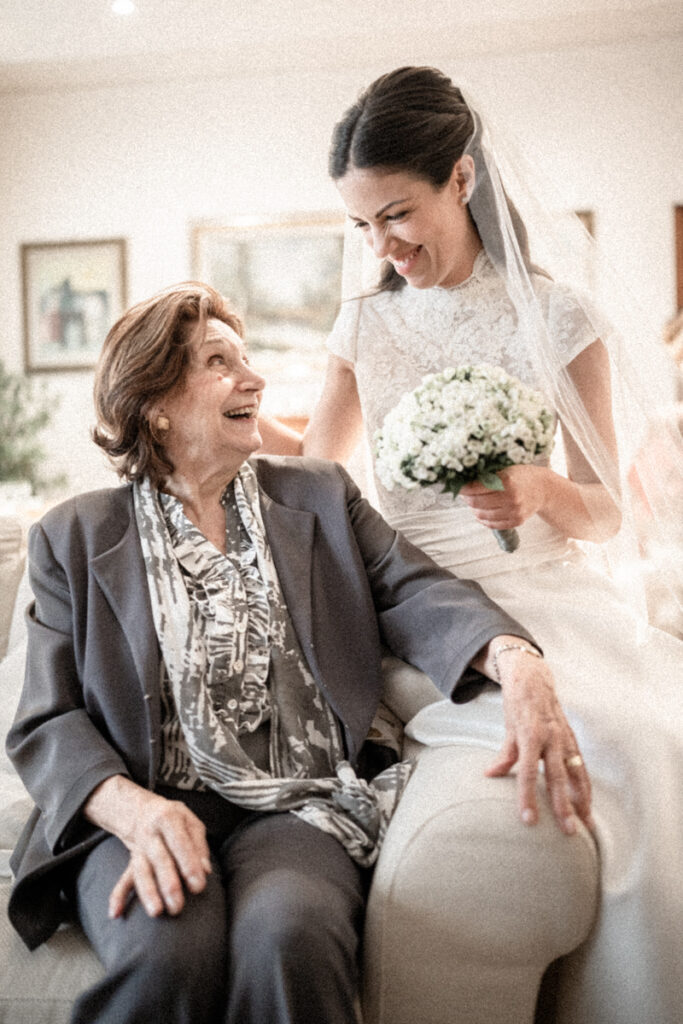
x=415 y=168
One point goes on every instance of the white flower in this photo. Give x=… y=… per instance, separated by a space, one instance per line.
x=459 y=424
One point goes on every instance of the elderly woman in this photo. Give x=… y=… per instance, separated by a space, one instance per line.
x=203 y=671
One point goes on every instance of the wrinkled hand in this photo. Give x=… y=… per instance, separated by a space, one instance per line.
x=168 y=848
x=537 y=730
x=167 y=843
x=524 y=494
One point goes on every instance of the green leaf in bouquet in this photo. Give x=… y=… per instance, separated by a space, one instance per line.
x=452 y=485
x=492 y=481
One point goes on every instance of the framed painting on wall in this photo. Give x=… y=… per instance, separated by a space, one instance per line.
x=587 y=221
x=73 y=292
x=284 y=279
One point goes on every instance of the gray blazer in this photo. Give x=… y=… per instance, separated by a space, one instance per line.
x=90 y=704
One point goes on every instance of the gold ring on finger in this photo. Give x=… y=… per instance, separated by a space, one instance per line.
x=575 y=761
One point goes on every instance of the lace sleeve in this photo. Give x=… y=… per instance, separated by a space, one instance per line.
x=574 y=321
x=343 y=339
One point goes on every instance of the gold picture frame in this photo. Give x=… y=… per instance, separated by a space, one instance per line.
x=284 y=278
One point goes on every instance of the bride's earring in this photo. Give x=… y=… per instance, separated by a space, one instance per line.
x=163 y=423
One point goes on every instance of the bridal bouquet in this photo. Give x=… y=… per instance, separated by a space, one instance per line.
x=465 y=423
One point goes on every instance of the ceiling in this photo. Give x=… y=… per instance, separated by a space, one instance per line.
x=62 y=43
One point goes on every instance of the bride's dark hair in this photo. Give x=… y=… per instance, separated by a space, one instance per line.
x=417 y=121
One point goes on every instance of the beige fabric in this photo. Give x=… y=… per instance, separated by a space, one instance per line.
x=12 y=555
x=468 y=906
x=406 y=689
x=40 y=987
x=15 y=803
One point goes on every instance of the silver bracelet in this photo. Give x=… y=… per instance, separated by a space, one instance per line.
x=512 y=647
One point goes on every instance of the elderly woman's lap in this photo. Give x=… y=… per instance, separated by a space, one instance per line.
x=274 y=936
x=162 y=968
x=296 y=905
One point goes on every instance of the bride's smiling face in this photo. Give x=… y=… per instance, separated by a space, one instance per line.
x=424 y=231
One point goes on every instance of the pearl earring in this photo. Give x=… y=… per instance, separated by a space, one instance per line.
x=163 y=423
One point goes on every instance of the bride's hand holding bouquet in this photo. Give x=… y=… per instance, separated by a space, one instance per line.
x=467 y=427
x=524 y=492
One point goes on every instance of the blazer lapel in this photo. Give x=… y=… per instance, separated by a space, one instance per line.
x=120 y=572
x=290 y=535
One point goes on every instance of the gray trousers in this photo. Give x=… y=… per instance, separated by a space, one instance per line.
x=273 y=939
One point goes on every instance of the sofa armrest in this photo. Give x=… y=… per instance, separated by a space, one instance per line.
x=12 y=557
x=40 y=987
x=406 y=690
x=468 y=906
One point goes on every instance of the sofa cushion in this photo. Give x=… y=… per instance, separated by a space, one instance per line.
x=37 y=987
x=12 y=557
x=15 y=803
x=40 y=987
x=17 y=631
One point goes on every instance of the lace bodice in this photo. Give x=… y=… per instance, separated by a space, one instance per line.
x=395 y=338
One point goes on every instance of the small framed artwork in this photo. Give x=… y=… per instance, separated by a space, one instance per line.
x=284 y=279
x=587 y=218
x=73 y=292
x=587 y=272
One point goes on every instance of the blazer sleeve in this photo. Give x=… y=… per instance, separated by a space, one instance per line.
x=54 y=744
x=427 y=616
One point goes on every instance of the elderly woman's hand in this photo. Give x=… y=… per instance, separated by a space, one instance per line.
x=537 y=730
x=167 y=843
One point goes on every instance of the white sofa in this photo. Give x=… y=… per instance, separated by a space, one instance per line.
x=467 y=909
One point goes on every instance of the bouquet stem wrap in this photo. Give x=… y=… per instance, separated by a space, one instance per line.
x=508 y=540
x=463 y=424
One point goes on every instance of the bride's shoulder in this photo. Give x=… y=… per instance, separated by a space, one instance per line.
x=559 y=294
x=573 y=318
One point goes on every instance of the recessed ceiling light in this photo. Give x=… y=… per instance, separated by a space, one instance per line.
x=123 y=7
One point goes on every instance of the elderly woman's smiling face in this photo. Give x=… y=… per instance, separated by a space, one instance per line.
x=213 y=413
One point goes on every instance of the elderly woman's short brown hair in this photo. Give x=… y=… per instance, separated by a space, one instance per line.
x=144 y=357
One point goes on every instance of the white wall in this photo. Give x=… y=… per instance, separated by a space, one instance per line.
x=145 y=161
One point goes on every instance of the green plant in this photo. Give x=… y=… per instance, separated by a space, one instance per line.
x=23 y=415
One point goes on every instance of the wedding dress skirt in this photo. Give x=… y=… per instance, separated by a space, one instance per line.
x=621 y=686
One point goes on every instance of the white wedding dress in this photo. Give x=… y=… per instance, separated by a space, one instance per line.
x=620 y=684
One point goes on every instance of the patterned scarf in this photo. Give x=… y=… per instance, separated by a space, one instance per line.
x=311 y=779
